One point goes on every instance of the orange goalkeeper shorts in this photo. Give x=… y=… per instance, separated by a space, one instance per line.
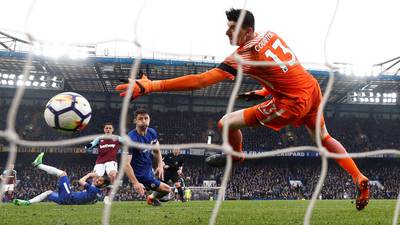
x=277 y=113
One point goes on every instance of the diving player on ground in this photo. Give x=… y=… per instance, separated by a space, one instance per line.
x=296 y=94
x=64 y=195
x=139 y=169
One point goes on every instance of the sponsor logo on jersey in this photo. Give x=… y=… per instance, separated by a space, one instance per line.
x=107 y=146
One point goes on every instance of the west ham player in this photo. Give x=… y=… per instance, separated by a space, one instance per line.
x=296 y=94
x=108 y=146
x=9 y=187
x=173 y=165
x=64 y=195
x=140 y=167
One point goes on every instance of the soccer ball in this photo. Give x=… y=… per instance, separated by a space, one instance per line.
x=68 y=111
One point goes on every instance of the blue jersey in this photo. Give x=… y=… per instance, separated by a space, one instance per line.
x=86 y=196
x=142 y=159
x=65 y=196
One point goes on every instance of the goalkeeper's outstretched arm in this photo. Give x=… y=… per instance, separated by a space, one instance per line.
x=185 y=83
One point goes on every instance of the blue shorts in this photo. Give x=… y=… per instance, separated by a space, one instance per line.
x=64 y=191
x=150 y=182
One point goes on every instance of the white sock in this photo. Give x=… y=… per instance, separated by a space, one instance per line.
x=40 y=197
x=50 y=170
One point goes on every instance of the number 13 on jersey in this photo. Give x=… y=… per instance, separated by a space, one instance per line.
x=278 y=44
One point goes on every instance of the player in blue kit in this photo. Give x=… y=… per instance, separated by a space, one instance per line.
x=140 y=167
x=64 y=195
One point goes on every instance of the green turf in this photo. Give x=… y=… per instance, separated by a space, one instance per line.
x=198 y=212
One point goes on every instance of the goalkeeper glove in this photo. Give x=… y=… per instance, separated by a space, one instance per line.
x=141 y=87
x=253 y=95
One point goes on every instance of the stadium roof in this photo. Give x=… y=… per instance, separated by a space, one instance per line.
x=102 y=74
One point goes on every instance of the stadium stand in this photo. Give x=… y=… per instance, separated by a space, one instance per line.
x=261 y=179
x=356 y=134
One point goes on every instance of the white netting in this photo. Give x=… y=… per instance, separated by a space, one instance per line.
x=13 y=138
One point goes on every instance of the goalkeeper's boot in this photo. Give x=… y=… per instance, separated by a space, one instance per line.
x=21 y=202
x=362 y=192
x=152 y=201
x=38 y=160
x=219 y=160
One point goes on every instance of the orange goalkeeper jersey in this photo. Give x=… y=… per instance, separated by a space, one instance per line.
x=286 y=78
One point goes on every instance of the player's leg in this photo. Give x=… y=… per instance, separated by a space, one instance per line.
x=64 y=186
x=265 y=114
x=168 y=179
x=178 y=185
x=38 y=163
x=99 y=169
x=235 y=120
x=160 y=189
x=36 y=199
x=180 y=190
x=332 y=145
x=111 y=169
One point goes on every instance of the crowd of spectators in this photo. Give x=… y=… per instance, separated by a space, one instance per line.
x=257 y=179
x=262 y=179
x=356 y=134
x=270 y=179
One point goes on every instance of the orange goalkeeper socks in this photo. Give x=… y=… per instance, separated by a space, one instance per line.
x=332 y=145
x=236 y=141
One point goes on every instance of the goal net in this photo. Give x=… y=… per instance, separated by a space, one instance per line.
x=216 y=193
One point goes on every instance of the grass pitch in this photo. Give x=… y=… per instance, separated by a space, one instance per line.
x=340 y=212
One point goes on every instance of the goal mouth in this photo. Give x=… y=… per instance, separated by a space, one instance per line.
x=14 y=139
